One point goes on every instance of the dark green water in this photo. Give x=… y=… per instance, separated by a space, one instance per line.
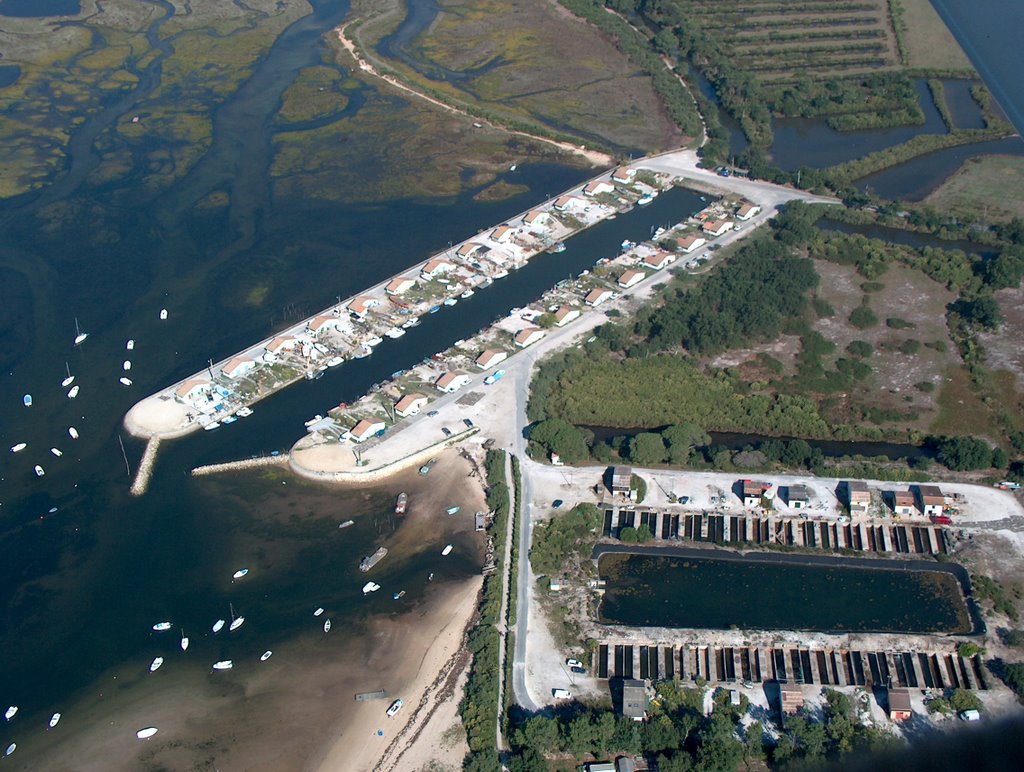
x=706 y=593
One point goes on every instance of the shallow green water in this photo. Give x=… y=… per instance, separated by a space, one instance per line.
x=717 y=594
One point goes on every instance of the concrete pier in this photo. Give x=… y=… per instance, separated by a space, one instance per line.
x=145 y=470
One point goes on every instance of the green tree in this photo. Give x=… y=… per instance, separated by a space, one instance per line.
x=964 y=699
x=604 y=731
x=1013 y=676
x=528 y=760
x=557 y=435
x=720 y=749
x=963 y=453
x=982 y=312
x=628 y=535
x=862 y=317
x=580 y=736
x=753 y=743
x=539 y=732
x=682 y=439
x=546 y=321
x=646 y=449
x=643 y=534
x=659 y=735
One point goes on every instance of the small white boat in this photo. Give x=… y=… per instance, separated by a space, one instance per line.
x=70 y=379
x=145 y=734
x=79 y=335
x=184 y=641
x=73 y=432
x=211 y=426
x=244 y=412
x=163 y=314
x=240 y=573
x=10 y=749
x=224 y=664
x=327 y=626
x=10 y=713
x=54 y=720
x=229 y=420
x=156 y=664
x=56 y=452
x=370 y=587
x=125 y=381
x=73 y=392
x=266 y=655
x=236 y=622
x=335 y=361
x=512 y=168
x=450 y=301
x=410 y=323
x=447 y=550
x=39 y=471
x=27 y=400
x=218 y=625
x=467 y=294
x=313 y=420
x=374 y=341
x=19 y=447
x=318 y=612
x=126 y=365
x=395 y=333
x=130 y=345
x=162 y=626
x=347 y=524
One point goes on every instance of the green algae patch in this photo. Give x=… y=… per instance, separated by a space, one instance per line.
x=499 y=191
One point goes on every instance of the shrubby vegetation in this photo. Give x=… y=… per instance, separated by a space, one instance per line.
x=564 y=535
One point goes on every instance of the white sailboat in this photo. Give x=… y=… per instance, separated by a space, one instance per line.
x=54 y=720
x=145 y=734
x=236 y=622
x=70 y=379
x=184 y=641
x=10 y=749
x=79 y=335
x=73 y=432
x=73 y=392
x=218 y=625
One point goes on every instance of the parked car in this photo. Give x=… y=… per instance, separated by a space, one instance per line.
x=573 y=663
x=580 y=670
x=560 y=694
x=446 y=431
x=395 y=707
x=557 y=503
x=468 y=423
x=431 y=414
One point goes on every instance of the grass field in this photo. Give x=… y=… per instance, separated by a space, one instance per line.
x=929 y=43
x=990 y=187
x=534 y=63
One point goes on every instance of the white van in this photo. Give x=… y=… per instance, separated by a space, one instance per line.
x=560 y=694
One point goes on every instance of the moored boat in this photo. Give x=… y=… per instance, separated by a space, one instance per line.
x=125 y=381
x=403 y=500
x=450 y=301
x=266 y=655
x=335 y=361
x=155 y=664
x=27 y=400
x=39 y=470
x=240 y=573
x=79 y=335
x=371 y=560
x=19 y=447
x=395 y=332
x=398 y=595
x=163 y=314
x=73 y=432
x=228 y=420
x=244 y=412
x=370 y=587
x=425 y=469
x=184 y=641
x=56 y=452
x=453 y=510
x=318 y=612
x=145 y=734
x=447 y=550
x=161 y=626
x=10 y=712
x=467 y=294
x=347 y=524
x=218 y=626
x=54 y=720
x=236 y=622
x=559 y=247
x=130 y=345
x=11 y=749
x=211 y=426
x=73 y=392
x=70 y=378
x=224 y=664
x=327 y=625
x=126 y=365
